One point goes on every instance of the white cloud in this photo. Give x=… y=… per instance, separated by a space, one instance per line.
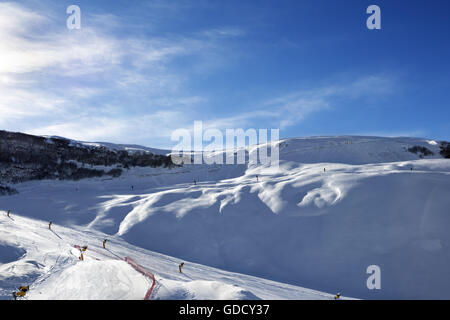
x=29 y=45
x=59 y=79
x=113 y=129
x=99 y=84
x=290 y=109
x=224 y=32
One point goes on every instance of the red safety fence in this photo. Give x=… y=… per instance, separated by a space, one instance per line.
x=146 y=273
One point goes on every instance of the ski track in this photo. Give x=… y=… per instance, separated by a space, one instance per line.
x=55 y=260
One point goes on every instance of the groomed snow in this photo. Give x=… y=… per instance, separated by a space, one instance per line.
x=52 y=268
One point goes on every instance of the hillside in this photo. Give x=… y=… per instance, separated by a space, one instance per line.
x=31 y=254
x=333 y=207
x=26 y=157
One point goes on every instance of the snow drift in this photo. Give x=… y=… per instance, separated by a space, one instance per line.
x=334 y=206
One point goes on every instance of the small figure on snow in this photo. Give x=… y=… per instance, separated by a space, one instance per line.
x=180 y=267
x=104 y=243
x=257 y=178
x=337 y=296
x=9 y=211
x=195 y=182
x=22 y=292
x=50 y=225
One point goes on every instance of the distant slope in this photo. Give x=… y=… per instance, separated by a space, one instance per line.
x=26 y=157
x=356 y=149
x=126 y=147
x=114 y=146
x=346 y=150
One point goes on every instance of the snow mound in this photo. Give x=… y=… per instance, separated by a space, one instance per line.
x=201 y=290
x=93 y=280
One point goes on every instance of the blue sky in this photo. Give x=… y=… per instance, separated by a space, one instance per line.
x=137 y=70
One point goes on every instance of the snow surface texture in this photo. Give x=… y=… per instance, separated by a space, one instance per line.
x=50 y=263
x=298 y=224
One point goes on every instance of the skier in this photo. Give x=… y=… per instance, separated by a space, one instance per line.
x=195 y=182
x=81 y=257
x=22 y=292
x=337 y=296
x=324 y=170
x=84 y=248
x=104 y=243
x=132 y=187
x=256 y=178
x=9 y=211
x=181 y=267
x=50 y=225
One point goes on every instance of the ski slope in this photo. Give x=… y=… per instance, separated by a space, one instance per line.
x=48 y=260
x=334 y=206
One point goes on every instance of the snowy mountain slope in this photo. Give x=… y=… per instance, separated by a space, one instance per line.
x=126 y=147
x=48 y=262
x=298 y=224
x=309 y=226
x=354 y=149
x=26 y=157
x=114 y=146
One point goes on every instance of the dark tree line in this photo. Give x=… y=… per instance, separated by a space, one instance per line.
x=445 y=149
x=27 y=157
x=423 y=151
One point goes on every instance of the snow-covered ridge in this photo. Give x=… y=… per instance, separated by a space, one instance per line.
x=341 y=149
x=112 y=146
x=26 y=157
x=355 y=149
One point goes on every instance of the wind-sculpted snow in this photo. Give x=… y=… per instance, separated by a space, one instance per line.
x=333 y=207
x=307 y=225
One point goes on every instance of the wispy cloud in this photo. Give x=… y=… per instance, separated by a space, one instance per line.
x=70 y=82
x=294 y=107
x=101 y=83
x=136 y=128
x=229 y=31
